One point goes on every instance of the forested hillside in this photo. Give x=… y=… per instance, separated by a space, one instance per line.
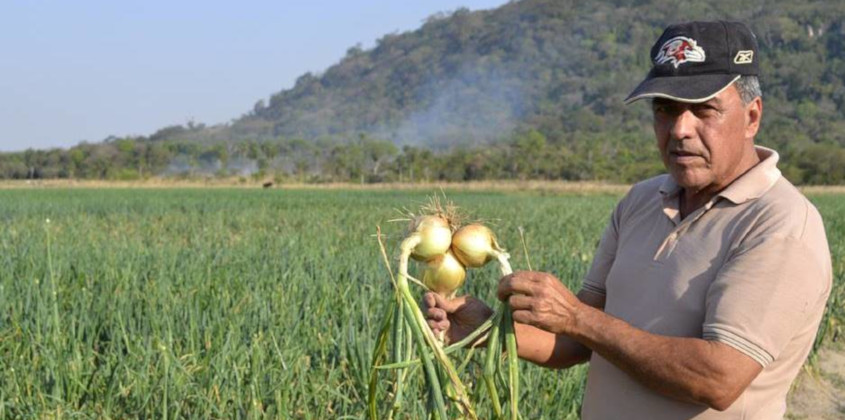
x=532 y=89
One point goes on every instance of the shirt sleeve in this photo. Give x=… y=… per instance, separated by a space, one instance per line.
x=767 y=291
x=605 y=255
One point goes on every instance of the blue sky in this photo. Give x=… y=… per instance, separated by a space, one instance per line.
x=84 y=70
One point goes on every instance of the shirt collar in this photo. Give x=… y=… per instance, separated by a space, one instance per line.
x=757 y=181
x=749 y=186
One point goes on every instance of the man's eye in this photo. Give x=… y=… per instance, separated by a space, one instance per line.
x=664 y=109
x=705 y=110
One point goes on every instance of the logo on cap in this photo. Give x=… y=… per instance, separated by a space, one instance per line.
x=679 y=50
x=744 y=57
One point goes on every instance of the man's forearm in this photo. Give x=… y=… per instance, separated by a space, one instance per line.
x=547 y=349
x=677 y=367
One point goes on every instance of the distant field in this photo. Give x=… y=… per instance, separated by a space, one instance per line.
x=249 y=303
x=161 y=183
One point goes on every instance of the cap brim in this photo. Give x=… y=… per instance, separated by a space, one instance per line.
x=690 y=89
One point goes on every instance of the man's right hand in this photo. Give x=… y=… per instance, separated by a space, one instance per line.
x=458 y=317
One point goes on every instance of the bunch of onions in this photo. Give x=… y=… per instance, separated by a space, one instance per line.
x=445 y=258
x=429 y=241
x=448 y=255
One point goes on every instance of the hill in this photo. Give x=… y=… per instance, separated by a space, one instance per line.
x=532 y=89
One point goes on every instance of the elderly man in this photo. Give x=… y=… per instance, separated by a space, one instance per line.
x=709 y=283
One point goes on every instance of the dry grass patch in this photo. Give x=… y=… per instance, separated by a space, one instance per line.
x=531 y=186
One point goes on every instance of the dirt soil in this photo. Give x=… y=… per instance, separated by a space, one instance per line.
x=819 y=393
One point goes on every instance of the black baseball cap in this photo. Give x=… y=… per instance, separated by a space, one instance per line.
x=695 y=61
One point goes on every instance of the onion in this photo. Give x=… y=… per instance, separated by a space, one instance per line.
x=435 y=237
x=444 y=274
x=474 y=245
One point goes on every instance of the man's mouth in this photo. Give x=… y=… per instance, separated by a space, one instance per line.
x=684 y=153
x=681 y=156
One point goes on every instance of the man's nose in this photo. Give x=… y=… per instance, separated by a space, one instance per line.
x=683 y=126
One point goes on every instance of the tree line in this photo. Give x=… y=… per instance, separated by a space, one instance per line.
x=614 y=157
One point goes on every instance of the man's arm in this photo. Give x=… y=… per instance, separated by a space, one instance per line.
x=687 y=369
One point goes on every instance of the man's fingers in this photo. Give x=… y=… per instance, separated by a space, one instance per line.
x=433 y=300
x=435 y=317
x=429 y=300
x=448 y=305
x=505 y=288
x=520 y=282
x=523 y=317
x=436 y=314
x=437 y=326
x=518 y=302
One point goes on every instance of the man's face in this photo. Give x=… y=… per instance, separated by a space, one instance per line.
x=702 y=145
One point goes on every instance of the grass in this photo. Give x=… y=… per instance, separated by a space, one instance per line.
x=231 y=303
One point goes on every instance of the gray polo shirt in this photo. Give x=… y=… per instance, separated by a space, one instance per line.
x=750 y=269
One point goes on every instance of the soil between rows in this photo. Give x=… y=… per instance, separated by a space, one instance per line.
x=820 y=393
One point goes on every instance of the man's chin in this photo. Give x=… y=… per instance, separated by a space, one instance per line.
x=690 y=180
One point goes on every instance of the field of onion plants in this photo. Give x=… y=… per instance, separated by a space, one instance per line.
x=212 y=303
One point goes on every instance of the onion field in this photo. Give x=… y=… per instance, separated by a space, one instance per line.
x=246 y=303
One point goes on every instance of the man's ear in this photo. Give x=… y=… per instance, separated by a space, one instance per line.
x=753 y=115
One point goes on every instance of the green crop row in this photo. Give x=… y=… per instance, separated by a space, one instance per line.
x=250 y=303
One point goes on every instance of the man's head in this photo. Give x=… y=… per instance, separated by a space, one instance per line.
x=706 y=102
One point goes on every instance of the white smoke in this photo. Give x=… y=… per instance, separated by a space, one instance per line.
x=475 y=107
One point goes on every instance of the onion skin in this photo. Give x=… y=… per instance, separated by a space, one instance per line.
x=435 y=237
x=444 y=274
x=474 y=245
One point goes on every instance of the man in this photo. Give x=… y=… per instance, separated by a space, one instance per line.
x=706 y=292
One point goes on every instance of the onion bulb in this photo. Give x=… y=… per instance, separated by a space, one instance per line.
x=435 y=237
x=474 y=245
x=444 y=274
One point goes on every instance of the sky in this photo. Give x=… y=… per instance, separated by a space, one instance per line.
x=73 y=71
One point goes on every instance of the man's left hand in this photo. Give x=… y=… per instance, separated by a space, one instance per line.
x=541 y=300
